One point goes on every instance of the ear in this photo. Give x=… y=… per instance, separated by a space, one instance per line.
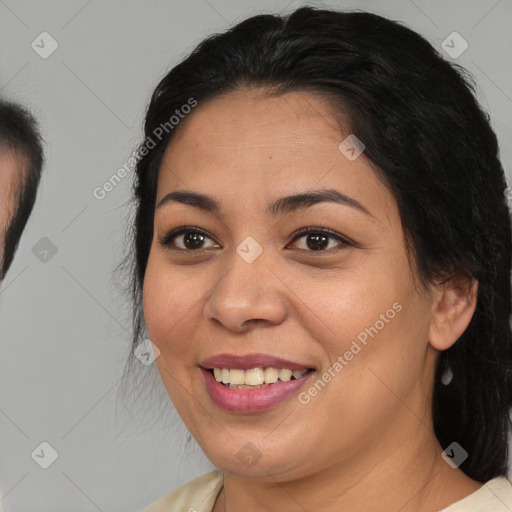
x=452 y=309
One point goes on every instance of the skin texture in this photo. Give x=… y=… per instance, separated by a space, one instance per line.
x=10 y=170
x=365 y=441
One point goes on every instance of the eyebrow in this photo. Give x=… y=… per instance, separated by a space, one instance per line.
x=283 y=205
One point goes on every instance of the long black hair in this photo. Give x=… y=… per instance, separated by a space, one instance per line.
x=431 y=144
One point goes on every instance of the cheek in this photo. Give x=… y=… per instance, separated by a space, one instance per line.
x=168 y=306
x=374 y=321
x=168 y=311
x=339 y=306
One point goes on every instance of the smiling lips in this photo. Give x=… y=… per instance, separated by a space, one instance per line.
x=251 y=383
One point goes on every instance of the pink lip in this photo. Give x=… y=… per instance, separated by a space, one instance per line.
x=251 y=400
x=250 y=361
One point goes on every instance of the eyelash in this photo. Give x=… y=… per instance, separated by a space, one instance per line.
x=166 y=239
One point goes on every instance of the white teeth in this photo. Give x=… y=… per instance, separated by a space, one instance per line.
x=255 y=376
x=237 y=377
x=271 y=375
x=285 y=375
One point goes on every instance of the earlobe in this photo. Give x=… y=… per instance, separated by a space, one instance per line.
x=452 y=309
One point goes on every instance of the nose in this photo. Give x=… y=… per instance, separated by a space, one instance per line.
x=247 y=295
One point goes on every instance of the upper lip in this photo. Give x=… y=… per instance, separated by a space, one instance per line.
x=248 y=361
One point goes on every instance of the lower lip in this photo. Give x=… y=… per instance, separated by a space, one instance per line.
x=251 y=400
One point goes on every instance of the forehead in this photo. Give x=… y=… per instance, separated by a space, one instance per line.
x=252 y=145
x=249 y=121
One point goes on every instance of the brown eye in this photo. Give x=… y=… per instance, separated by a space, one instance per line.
x=317 y=242
x=193 y=240
x=320 y=239
x=187 y=239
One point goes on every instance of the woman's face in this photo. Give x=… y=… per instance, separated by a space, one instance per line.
x=250 y=287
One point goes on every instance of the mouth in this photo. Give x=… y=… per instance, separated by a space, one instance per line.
x=255 y=378
x=252 y=383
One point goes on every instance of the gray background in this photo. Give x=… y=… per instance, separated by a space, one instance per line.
x=64 y=325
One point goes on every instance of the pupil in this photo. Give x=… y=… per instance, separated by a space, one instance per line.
x=193 y=240
x=314 y=241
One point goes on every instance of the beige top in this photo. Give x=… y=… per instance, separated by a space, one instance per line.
x=199 y=495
